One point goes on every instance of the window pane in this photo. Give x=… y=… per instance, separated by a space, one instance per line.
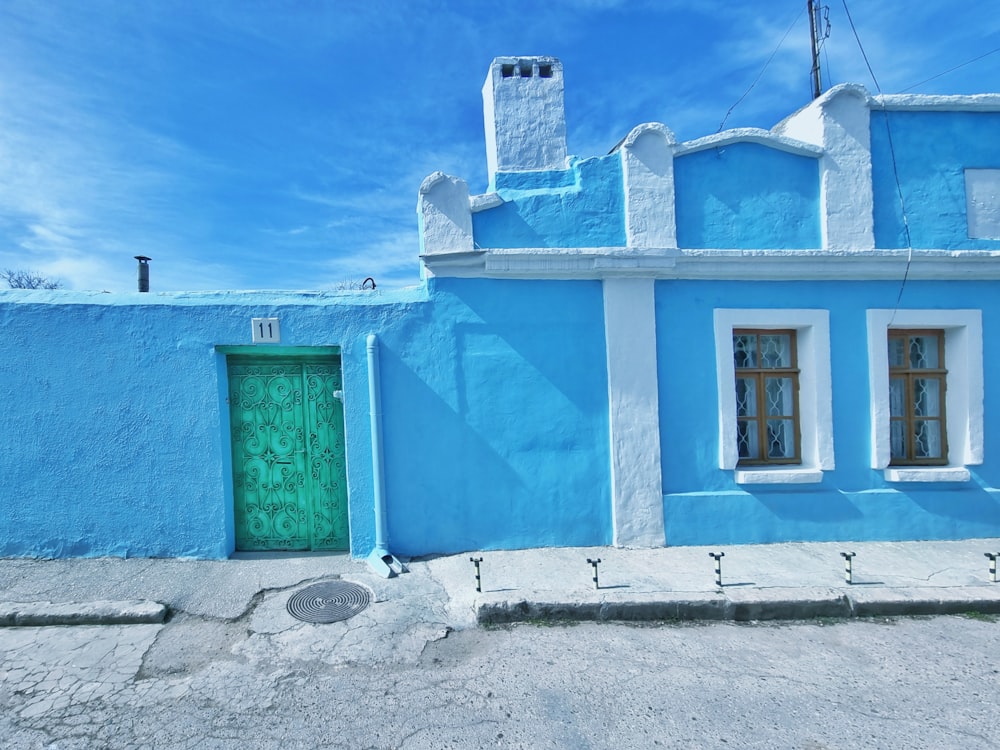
x=924 y=352
x=917 y=397
x=897 y=352
x=775 y=350
x=897 y=439
x=927 y=439
x=897 y=397
x=744 y=350
x=746 y=440
x=926 y=397
x=746 y=397
x=778 y=392
x=780 y=438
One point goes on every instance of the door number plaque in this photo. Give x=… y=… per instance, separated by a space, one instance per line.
x=266 y=330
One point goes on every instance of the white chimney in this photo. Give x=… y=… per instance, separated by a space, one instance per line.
x=524 y=114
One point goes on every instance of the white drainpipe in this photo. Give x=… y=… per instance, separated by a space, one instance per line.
x=380 y=559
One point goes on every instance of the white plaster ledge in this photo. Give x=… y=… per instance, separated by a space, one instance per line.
x=778 y=476
x=485 y=201
x=929 y=474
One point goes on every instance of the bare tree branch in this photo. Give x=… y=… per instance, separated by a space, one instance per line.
x=20 y=278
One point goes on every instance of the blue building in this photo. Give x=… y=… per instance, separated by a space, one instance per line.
x=756 y=336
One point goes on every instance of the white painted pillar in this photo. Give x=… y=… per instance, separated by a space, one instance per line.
x=648 y=176
x=445 y=215
x=634 y=413
x=839 y=122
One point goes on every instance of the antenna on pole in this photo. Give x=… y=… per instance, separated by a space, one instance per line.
x=819 y=32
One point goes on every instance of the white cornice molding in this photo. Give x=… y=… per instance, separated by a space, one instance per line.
x=758 y=265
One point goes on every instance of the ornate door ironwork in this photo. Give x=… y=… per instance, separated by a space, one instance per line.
x=289 y=477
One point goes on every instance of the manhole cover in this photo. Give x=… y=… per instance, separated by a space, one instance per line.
x=330 y=601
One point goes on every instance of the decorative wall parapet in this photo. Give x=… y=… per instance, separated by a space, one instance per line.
x=657 y=207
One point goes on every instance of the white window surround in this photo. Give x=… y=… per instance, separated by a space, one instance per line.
x=963 y=358
x=812 y=332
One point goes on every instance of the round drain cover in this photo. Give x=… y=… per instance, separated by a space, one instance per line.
x=330 y=601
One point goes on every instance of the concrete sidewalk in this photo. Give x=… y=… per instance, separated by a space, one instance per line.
x=778 y=581
x=775 y=581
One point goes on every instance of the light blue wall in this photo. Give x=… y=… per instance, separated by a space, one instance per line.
x=116 y=417
x=932 y=150
x=747 y=196
x=583 y=206
x=704 y=505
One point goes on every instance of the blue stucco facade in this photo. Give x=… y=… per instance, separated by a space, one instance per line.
x=564 y=373
x=703 y=504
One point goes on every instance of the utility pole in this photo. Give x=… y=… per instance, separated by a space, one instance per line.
x=814 y=40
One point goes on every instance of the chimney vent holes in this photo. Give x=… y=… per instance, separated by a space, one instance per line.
x=527 y=69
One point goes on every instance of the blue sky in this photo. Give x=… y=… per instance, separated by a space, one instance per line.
x=245 y=144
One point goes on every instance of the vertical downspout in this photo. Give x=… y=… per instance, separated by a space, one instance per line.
x=380 y=559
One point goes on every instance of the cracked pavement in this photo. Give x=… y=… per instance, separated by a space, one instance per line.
x=199 y=683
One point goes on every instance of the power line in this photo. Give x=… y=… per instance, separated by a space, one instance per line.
x=755 y=80
x=951 y=70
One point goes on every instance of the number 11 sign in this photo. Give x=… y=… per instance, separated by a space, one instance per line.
x=266 y=330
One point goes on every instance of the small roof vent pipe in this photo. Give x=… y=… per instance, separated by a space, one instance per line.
x=143 y=272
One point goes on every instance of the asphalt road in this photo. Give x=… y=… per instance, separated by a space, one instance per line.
x=193 y=683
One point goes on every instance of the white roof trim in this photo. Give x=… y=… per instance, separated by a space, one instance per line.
x=939 y=103
x=749 y=135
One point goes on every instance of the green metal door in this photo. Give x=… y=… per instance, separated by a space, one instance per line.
x=289 y=479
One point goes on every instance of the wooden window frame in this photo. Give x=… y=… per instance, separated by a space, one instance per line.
x=759 y=375
x=909 y=374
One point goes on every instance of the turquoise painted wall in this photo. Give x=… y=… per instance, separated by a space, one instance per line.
x=932 y=150
x=120 y=404
x=118 y=407
x=495 y=411
x=704 y=505
x=583 y=206
x=746 y=196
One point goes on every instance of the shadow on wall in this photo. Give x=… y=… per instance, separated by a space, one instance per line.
x=496 y=425
x=961 y=503
x=814 y=507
